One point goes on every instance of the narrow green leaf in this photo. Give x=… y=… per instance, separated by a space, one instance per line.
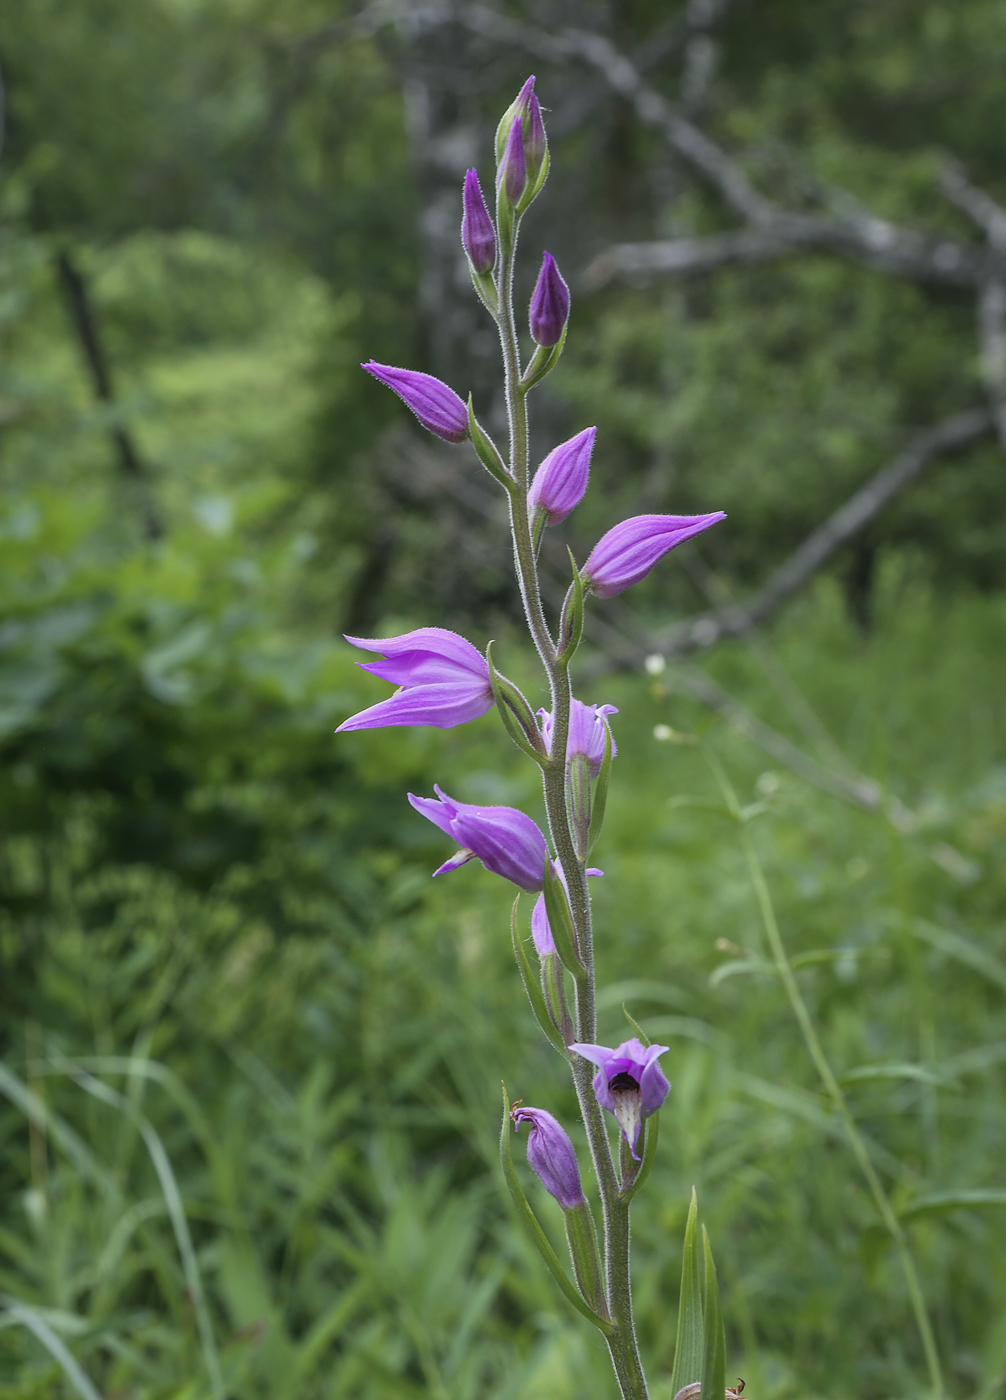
x=531 y=985
x=536 y=1234
x=714 y=1351
x=944 y=1202
x=688 y=1350
x=560 y=921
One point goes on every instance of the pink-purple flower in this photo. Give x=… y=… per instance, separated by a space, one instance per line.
x=511 y=173
x=478 y=237
x=443 y=680
x=560 y=482
x=588 y=725
x=505 y=840
x=549 y=304
x=551 y=1155
x=541 y=929
x=629 y=1083
x=433 y=402
x=630 y=549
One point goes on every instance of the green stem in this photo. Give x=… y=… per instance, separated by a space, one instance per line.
x=615 y=1214
x=816 y=1051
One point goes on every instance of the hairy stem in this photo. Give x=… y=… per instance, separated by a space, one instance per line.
x=615 y=1214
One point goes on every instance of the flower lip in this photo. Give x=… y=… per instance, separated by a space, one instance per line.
x=629 y=1083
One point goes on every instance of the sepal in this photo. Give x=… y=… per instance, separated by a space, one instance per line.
x=537 y=1235
x=488 y=452
x=560 y=921
x=534 y=991
x=582 y=1239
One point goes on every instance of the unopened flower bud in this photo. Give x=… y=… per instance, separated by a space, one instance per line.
x=517 y=112
x=560 y=482
x=478 y=237
x=551 y=1155
x=535 y=144
x=436 y=405
x=630 y=549
x=549 y=304
x=511 y=173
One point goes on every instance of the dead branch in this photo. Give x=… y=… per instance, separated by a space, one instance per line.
x=991 y=218
x=836 y=531
x=78 y=300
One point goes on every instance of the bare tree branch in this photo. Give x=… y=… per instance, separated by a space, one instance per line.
x=78 y=300
x=837 y=530
x=990 y=217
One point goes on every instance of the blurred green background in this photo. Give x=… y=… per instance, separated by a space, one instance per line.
x=251 y=1055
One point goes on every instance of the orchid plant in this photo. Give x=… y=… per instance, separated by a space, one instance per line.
x=444 y=681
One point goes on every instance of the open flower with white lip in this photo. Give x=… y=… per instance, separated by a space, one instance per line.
x=629 y=1083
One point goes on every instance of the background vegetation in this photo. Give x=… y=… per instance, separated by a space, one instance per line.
x=250 y=1053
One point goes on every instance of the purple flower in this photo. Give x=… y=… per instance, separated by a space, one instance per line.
x=506 y=841
x=534 y=137
x=588 y=724
x=512 y=170
x=478 y=237
x=629 y=1083
x=561 y=480
x=551 y=1155
x=435 y=405
x=630 y=549
x=444 y=681
x=549 y=304
x=541 y=929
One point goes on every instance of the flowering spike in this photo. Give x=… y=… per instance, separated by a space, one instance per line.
x=436 y=405
x=443 y=680
x=506 y=841
x=560 y=483
x=478 y=237
x=630 y=549
x=550 y=1155
x=549 y=304
x=511 y=175
x=629 y=1083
